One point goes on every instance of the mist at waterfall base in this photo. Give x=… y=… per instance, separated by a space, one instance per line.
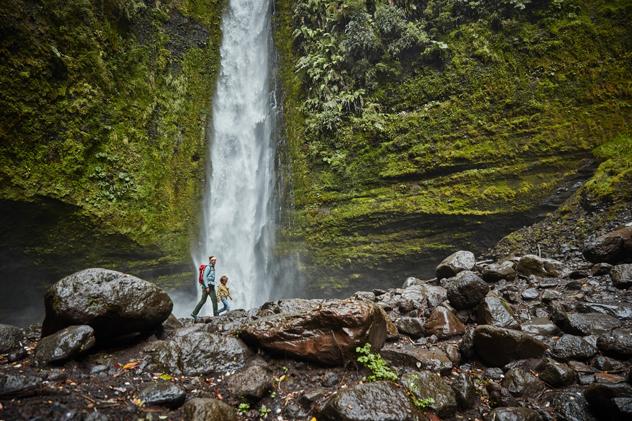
x=241 y=206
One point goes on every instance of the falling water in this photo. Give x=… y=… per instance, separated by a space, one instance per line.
x=240 y=202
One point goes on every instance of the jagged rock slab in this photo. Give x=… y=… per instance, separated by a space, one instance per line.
x=497 y=346
x=112 y=303
x=64 y=345
x=327 y=333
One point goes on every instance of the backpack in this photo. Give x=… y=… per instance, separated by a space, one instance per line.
x=201 y=275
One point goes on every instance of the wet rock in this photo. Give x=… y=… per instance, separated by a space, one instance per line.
x=609 y=400
x=455 y=263
x=533 y=265
x=621 y=311
x=530 y=294
x=64 y=345
x=555 y=374
x=466 y=346
x=613 y=247
x=330 y=379
x=600 y=269
x=570 y=347
x=464 y=391
x=466 y=290
x=364 y=296
x=617 y=343
x=19 y=386
x=162 y=394
x=550 y=295
x=369 y=402
x=621 y=276
x=251 y=383
x=495 y=311
x=408 y=355
x=287 y=306
x=443 y=323
x=520 y=382
x=497 y=346
x=198 y=353
x=309 y=399
x=568 y=405
x=412 y=298
x=199 y=409
x=435 y=295
x=585 y=324
x=11 y=338
x=327 y=334
x=498 y=396
x=424 y=384
x=494 y=373
x=541 y=327
x=112 y=303
x=411 y=326
x=172 y=323
x=607 y=364
x=496 y=272
x=513 y=414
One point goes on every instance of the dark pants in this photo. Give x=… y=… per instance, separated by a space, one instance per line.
x=205 y=295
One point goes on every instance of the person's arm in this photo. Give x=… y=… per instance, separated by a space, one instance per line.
x=207 y=269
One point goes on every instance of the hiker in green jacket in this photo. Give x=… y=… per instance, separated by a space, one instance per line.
x=207 y=282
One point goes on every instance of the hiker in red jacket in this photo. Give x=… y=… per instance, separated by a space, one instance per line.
x=207 y=282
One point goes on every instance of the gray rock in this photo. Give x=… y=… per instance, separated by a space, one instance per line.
x=602 y=363
x=617 y=343
x=435 y=295
x=609 y=400
x=600 y=269
x=570 y=347
x=199 y=409
x=497 y=346
x=162 y=394
x=198 y=353
x=464 y=391
x=413 y=298
x=11 y=338
x=513 y=414
x=541 y=327
x=443 y=324
x=585 y=324
x=455 y=263
x=17 y=385
x=621 y=276
x=424 y=384
x=112 y=303
x=495 y=311
x=466 y=290
x=621 y=311
x=520 y=382
x=369 y=402
x=550 y=295
x=568 y=405
x=250 y=383
x=65 y=344
x=533 y=265
x=417 y=357
x=530 y=294
x=411 y=326
x=613 y=247
x=556 y=374
x=494 y=373
x=496 y=272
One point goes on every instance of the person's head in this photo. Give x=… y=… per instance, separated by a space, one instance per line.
x=224 y=279
x=212 y=260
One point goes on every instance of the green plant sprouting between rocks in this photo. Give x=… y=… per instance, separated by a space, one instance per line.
x=380 y=370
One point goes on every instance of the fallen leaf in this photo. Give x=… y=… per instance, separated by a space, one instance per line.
x=131 y=365
x=138 y=402
x=165 y=377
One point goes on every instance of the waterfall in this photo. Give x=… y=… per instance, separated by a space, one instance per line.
x=240 y=201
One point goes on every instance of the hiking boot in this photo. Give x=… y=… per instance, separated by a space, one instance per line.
x=195 y=318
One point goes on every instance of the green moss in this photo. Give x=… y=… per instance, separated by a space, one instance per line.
x=613 y=178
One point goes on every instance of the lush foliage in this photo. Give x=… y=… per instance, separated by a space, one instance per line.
x=380 y=370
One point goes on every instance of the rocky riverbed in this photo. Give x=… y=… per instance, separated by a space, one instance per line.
x=526 y=338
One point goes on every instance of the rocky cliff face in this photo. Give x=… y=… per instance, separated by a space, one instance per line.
x=419 y=127
x=104 y=109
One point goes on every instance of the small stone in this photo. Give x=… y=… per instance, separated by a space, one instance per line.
x=520 y=382
x=466 y=290
x=455 y=263
x=495 y=311
x=162 y=394
x=330 y=379
x=424 y=384
x=513 y=414
x=533 y=265
x=11 y=338
x=530 y=294
x=496 y=272
x=411 y=326
x=252 y=382
x=64 y=345
x=464 y=391
x=494 y=373
x=443 y=323
x=200 y=409
x=555 y=374
x=622 y=276
x=541 y=327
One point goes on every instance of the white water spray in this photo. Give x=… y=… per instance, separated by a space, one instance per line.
x=239 y=206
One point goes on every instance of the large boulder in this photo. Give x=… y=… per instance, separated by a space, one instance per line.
x=411 y=326
x=617 y=343
x=204 y=409
x=621 y=276
x=376 y=401
x=198 y=353
x=17 y=385
x=570 y=347
x=64 y=345
x=466 y=290
x=495 y=311
x=555 y=374
x=11 y=338
x=455 y=263
x=250 y=383
x=497 y=271
x=497 y=346
x=584 y=324
x=520 y=382
x=531 y=264
x=424 y=385
x=613 y=247
x=327 y=333
x=443 y=323
x=162 y=394
x=112 y=303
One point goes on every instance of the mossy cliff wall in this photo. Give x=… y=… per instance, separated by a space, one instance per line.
x=419 y=127
x=104 y=107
